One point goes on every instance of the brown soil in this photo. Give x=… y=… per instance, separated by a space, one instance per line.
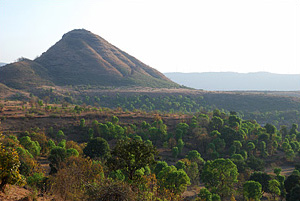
x=16 y=193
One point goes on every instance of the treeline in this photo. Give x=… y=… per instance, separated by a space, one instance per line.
x=122 y=162
x=262 y=108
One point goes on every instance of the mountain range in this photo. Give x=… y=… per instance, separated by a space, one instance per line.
x=82 y=58
x=230 y=81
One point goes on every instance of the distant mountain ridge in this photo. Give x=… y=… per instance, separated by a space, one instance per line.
x=82 y=58
x=231 y=81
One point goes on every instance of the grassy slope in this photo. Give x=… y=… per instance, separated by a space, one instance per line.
x=82 y=58
x=24 y=74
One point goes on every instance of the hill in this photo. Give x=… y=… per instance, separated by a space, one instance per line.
x=2 y=64
x=83 y=58
x=24 y=74
x=229 y=81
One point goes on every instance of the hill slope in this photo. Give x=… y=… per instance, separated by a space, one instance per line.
x=82 y=58
x=228 y=81
x=24 y=74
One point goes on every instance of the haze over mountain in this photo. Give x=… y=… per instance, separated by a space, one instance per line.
x=82 y=58
x=230 y=81
x=2 y=64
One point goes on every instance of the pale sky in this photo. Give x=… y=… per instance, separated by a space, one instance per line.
x=169 y=35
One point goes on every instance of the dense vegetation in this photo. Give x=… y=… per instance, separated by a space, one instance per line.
x=264 y=108
x=149 y=160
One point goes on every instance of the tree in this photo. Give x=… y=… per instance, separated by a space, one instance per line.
x=56 y=157
x=274 y=187
x=205 y=194
x=184 y=127
x=60 y=135
x=62 y=144
x=215 y=133
x=252 y=190
x=277 y=171
x=233 y=121
x=219 y=144
x=75 y=173
x=291 y=182
x=32 y=146
x=295 y=194
x=9 y=167
x=220 y=176
x=271 y=129
x=256 y=163
x=97 y=148
x=195 y=156
x=132 y=155
x=251 y=147
x=180 y=165
x=216 y=123
x=82 y=123
x=180 y=145
x=115 y=120
x=238 y=145
x=175 y=152
x=110 y=190
x=72 y=152
x=294 y=129
x=159 y=166
x=263 y=178
x=174 y=180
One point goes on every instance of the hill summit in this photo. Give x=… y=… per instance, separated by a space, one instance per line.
x=83 y=58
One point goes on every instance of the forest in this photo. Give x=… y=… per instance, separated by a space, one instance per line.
x=82 y=152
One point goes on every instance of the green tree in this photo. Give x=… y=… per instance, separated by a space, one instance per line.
x=82 y=123
x=72 y=152
x=271 y=129
x=184 y=127
x=115 y=120
x=205 y=194
x=238 y=145
x=274 y=187
x=294 y=129
x=220 y=176
x=117 y=175
x=216 y=123
x=60 y=135
x=195 y=156
x=215 y=133
x=32 y=146
x=180 y=145
x=263 y=178
x=159 y=166
x=175 y=152
x=277 y=171
x=97 y=147
x=62 y=144
x=295 y=194
x=291 y=182
x=250 y=147
x=256 y=163
x=180 y=165
x=174 y=180
x=252 y=190
x=132 y=155
x=56 y=157
x=234 y=121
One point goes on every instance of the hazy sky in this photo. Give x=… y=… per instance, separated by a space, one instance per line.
x=169 y=35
